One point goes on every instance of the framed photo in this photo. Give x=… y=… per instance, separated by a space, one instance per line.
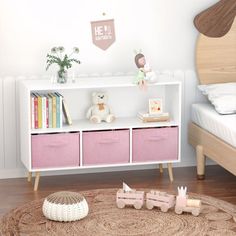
x=155 y=106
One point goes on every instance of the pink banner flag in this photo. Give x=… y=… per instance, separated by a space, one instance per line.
x=103 y=33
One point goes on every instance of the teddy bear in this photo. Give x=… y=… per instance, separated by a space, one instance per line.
x=100 y=111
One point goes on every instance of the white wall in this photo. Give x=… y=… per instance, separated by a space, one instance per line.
x=163 y=29
x=28 y=29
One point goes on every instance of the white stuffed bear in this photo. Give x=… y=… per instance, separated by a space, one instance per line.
x=100 y=111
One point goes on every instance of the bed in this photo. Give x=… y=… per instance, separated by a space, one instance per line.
x=214 y=136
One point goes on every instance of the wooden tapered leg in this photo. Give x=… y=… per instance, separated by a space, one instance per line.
x=161 y=168
x=36 y=182
x=169 y=165
x=29 y=176
x=201 y=159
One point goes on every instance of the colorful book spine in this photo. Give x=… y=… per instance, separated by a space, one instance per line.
x=54 y=111
x=39 y=111
x=49 y=110
x=44 y=112
x=60 y=97
x=36 y=123
x=57 y=110
x=32 y=111
x=66 y=112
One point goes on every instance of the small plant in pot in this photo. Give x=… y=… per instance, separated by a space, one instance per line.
x=63 y=61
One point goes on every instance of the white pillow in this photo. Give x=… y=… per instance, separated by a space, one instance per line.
x=222 y=96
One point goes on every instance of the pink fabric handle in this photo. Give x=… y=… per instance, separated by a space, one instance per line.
x=109 y=141
x=57 y=144
x=157 y=138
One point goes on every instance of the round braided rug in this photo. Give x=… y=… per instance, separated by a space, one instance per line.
x=105 y=219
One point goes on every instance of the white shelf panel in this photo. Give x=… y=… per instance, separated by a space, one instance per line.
x=84 y=83
x=104 y=165
x=119 y=123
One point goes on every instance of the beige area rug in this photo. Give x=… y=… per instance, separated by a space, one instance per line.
x=105 y=219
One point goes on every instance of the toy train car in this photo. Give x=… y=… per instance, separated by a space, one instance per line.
x=159 y=199
x=133 y=197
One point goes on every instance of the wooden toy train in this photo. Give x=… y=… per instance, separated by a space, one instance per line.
x=155 y=198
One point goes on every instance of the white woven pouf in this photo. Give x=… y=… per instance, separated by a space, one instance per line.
x=65 y=206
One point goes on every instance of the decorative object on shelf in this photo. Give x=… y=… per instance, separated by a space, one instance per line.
x=155 y=106
x=63 y=61
x=100 y=111
x=184 y=204
x=216 y=21
x=147 y=117
x=46 y=110
x=145 y=73
x=103 y=33
x=155 y=113
x=65 y=206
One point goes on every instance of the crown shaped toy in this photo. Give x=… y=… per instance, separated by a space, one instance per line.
x=182 y=191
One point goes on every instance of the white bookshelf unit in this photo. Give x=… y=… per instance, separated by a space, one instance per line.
x=124 y=142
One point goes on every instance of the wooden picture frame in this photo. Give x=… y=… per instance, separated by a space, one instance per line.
x=155 y=106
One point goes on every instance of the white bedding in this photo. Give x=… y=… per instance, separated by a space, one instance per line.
x=222 y=126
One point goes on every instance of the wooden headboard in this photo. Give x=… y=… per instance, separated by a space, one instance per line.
x=216 y=58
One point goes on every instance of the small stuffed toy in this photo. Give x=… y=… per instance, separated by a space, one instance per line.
x=100 y=111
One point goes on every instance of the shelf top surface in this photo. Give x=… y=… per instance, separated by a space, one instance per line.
x=92 y=82
x=119 y=123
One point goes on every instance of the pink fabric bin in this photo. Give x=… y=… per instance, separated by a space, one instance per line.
x=55 y=150
x=106 y=147
x=156 y=144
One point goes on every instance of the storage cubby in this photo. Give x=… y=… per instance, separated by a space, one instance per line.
x=55 y=150
x=126 y=141
x=106 y=147
x=155 y=144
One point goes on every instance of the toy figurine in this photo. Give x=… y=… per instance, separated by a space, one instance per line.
x=145 y=73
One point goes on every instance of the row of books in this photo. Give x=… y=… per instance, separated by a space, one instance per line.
x=158 y=117
x=47 y=110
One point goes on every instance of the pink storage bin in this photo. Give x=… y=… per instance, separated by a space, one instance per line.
x=106 y=147
x=55 y=150
x=156 y=144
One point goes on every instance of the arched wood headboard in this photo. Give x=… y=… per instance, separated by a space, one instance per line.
x=216 y=58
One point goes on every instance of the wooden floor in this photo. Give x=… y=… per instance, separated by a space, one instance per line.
x=219 y=183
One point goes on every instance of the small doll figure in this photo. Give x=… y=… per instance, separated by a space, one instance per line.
x=145 y=74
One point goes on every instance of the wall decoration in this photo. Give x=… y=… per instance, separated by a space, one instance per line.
x=103 y=33
x=217 y=20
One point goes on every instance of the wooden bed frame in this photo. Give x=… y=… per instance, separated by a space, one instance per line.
x=216 y=63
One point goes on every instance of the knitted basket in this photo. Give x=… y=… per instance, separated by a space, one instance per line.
x=65 y=206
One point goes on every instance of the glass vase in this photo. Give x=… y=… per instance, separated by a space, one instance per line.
x=62 y=76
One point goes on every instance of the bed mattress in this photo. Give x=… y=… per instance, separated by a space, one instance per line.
x=222 y=126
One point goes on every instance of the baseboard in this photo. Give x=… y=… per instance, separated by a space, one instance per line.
x=12 y=173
